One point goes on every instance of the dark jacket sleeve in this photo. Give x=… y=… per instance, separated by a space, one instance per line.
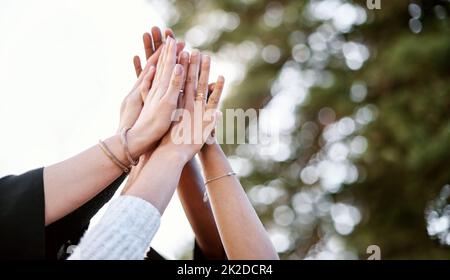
x=67 y=231
x=200 y=256
x=22 y=216
x=23 y=234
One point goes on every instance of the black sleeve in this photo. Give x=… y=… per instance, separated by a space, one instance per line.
x=200 y=256
x=153 y=255
x=22 y=216
x=68 y=230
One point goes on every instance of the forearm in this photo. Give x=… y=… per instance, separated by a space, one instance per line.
x=242 y=233
x=158 y=178
x=71 y=183
x=191 y=190
x=124 y=232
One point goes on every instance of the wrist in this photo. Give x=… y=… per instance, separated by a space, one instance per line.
x=138 y=142
x=210 y=149
x=174 y=154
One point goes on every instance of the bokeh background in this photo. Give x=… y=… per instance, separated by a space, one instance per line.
x=362 y=99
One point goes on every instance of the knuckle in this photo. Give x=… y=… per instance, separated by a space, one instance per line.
x=219 y=86
x=214 y=100
x=176 y=83
x=206 y=66
x=190 y=78
x=202 y=87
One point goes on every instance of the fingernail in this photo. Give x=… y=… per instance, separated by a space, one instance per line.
x=178 y=69
x=184 y=55
x=205 y=58
x=194 y=52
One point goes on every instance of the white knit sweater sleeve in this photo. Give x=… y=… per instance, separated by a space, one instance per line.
x=123 y=233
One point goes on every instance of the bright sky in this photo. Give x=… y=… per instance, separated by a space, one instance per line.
x=65 y=67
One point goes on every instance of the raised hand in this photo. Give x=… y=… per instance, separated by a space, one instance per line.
x=152 y=43
x=160 y=101
x=199 y=116
x=132 y=104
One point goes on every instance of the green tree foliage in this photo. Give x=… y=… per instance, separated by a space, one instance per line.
x=363 y=98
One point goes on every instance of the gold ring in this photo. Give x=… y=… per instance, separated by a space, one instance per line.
x=201 y=96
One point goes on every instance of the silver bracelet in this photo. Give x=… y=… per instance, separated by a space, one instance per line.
x=205 y=194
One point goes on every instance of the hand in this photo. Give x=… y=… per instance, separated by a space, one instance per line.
x=160 y=100
x=152 y=46
x=132 y=104
x=198 y=119
x=152 y=43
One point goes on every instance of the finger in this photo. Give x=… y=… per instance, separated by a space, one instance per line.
x=169 y=33
x=210 y=91
x=169 y=64
x=160 y=63
x=141 y=76
x=211 y=88
x=148 y=46
x=157 y=38
x=202 y=89
x=214 y=98
x=180 y=47
x=137 y=65
x=192 y=77
x=209 y=127
x=153 y=60
x=183 y=60
x=147 y=83
x=176 y=81
x=162 y=60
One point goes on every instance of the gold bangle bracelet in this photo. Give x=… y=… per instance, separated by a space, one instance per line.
x=205 y=194
x=231 y=173
x=124 y=140
x=112 y=157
